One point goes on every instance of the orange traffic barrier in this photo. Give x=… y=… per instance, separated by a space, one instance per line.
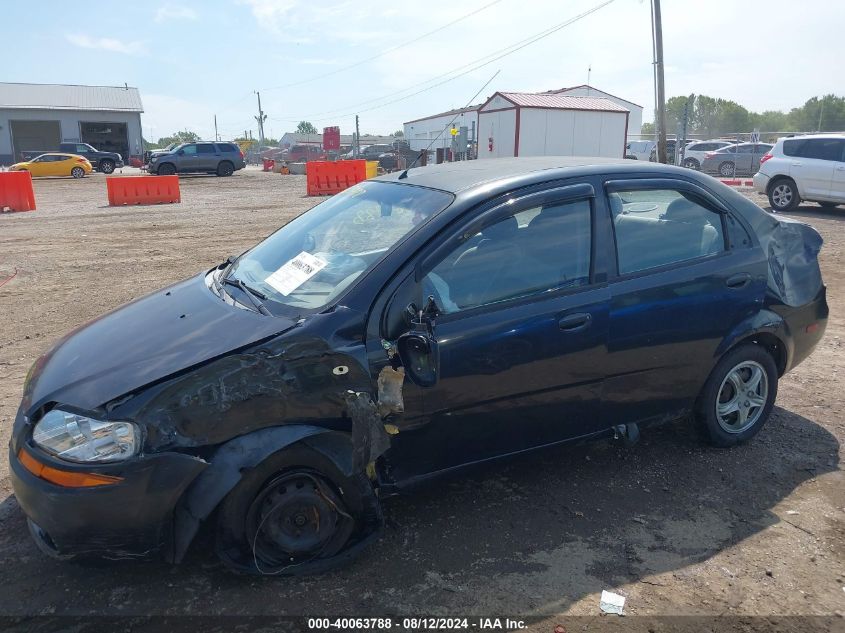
x=142 y=189
x=16 y=191
x=326 y=178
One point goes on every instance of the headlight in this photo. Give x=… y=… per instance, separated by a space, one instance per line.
x=81 y=439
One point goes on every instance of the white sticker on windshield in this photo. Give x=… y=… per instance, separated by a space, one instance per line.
x=296 y=272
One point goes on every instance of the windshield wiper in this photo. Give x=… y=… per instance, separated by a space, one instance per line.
x=255 y=296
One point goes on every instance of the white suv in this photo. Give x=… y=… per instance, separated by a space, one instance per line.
x=800 y=168
x=694 y=152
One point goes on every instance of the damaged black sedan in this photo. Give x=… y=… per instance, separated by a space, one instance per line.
x=410 y=326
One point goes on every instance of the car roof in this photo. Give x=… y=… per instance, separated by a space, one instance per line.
x=806 y=136
x=463 y=176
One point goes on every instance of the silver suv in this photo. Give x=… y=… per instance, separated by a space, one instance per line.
x=222 y=159
x=810 y=168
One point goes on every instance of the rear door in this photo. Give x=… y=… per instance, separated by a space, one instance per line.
x=208 y=157
x=745 y=158
x=684 y=280
x=812 y=162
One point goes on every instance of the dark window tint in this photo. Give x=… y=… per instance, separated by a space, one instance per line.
x=661 y=226
x=206 y=148
x=189 y=150
x=227 y=147
x=533 y=251
x=819 y=148
x=745 y=148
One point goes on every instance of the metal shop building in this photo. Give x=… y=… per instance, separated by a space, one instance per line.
x=542 y=124
x=37 y=117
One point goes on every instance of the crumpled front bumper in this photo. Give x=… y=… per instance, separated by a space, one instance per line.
x=128 y=519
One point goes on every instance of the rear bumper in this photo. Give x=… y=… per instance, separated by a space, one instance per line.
x=129 y=519
x=807 y=325
x=761 y=181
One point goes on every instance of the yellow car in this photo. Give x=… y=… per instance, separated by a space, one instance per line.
x=56 y=165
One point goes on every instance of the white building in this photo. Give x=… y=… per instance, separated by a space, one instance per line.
x=635 y=119
x=421 y=132
x=38 y=117
x=543 y=124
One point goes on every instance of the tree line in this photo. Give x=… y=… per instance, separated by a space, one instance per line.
x=709 y=117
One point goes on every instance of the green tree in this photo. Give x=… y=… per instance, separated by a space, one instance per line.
x=185 y=136
x=306 y=127
x=647 y=129
x=399 y=134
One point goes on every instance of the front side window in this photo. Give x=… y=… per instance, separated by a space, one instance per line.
x=533 y=251
x=312 y=259
x=657 y=227
x=189 y=150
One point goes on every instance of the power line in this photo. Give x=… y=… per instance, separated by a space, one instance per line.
x=471 y=67
x=384 y=52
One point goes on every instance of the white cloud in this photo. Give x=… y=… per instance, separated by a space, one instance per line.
x=271 y=15
x=107 y=44
x=169 y=14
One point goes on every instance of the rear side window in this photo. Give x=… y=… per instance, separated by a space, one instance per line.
x=227 y=147
x=205 y=148
x=819 y=148
x=658 y=227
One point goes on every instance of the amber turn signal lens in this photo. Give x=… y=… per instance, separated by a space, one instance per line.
x=66 y=478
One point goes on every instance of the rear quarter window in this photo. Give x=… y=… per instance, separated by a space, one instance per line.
x=227 y=147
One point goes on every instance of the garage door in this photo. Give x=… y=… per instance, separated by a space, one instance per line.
x=106 y=137
x=31 y=138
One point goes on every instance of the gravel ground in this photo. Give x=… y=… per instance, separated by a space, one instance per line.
x=676 y=527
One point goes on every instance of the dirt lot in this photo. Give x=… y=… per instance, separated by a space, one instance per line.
x=676 y=527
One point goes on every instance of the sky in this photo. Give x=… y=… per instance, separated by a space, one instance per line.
x=325 y=60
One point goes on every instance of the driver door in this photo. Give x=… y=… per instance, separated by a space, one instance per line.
x=521 y=338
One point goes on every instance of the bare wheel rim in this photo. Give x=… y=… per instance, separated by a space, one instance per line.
x=296 y=518
x=742 y=397
x=782 y=195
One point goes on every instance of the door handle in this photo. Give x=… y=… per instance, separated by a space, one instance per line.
x=795 y=164
x=575 y=322
x=740 y=280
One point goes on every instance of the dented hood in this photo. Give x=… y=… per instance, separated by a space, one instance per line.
x=143 y=342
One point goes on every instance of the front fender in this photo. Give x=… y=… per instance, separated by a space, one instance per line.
x=223 y=473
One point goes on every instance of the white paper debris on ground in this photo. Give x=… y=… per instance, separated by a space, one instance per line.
x=612 y=602
x=296 y=272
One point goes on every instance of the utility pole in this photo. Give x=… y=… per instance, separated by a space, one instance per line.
x=661 y=92
x=260 y=118
x=356 y=146
x=216 y=135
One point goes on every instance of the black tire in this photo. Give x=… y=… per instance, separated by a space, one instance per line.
x=77 y=172
x=166 y=169
x=828 y=205
x=225 y=168
x=783 y=194
x=692 y=163
x=106 y=166
x=727 y=169
x=262 y=512
x=720 y=394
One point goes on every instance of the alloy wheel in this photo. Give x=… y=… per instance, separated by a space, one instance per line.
x=742 y=397
x=726 y=169
x=782 y=196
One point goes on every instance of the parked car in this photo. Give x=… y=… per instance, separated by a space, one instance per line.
x=671 y=144
x=299 y=153
x=695 y=152
x=639 y=150
x=739 y=158
x=808 y=168
x=372 y=344
x=222 y=159
x=105 y=162
x=55 y=165
x=370 y=152
x=158 y=152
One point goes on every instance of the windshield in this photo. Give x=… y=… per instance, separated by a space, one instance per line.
x=307 y=263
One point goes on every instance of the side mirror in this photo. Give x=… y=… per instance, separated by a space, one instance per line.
x=418 y=351
x=417 y=348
